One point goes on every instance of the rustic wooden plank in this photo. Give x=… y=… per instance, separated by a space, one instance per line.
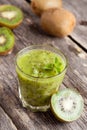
x=76 y=76
x=79 y=34
x=41 y=121
x=13 y=107
x=5 y=122
x=79 y=8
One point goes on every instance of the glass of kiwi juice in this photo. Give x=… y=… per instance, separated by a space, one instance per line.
x=40 y=70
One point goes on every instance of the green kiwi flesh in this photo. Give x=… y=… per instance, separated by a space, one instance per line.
x=67 y=105
x=10 y=16
x=6 y=40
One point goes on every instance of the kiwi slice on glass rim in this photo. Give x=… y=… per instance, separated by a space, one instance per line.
x=7 y=40
x=67 y=105
x=10 y=16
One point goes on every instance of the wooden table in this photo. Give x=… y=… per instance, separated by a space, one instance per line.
x=12 y=115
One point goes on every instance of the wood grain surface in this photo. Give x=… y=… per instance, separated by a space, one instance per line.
x=5 y=122
x=12 y=115
x=79 y=8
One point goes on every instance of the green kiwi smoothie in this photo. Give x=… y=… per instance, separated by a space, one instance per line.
x=40 y=72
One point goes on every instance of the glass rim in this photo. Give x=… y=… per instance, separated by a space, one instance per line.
x=26 y=48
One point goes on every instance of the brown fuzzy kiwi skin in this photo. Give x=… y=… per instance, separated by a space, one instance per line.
x=35 y=9
x=39 y=7
x=6 y=52
x=58 y=22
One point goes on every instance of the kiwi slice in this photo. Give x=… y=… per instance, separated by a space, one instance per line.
x=67 y=105
x=6 y=40
x=10 y=16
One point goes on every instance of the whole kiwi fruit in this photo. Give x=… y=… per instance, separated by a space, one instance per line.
x=58 y=22
x=39 y=6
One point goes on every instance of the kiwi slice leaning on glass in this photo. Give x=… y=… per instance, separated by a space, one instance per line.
x=7 y=40
x=10 y=16
x=67 y=105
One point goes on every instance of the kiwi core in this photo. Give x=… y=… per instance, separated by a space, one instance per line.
x=2 y=40
x=67 y=104
x=8 y=14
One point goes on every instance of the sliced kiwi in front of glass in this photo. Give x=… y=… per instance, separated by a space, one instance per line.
x=67 y=105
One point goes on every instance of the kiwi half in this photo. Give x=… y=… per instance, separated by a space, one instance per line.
x=6 y=40
x=67 y=105
x=10 y=16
